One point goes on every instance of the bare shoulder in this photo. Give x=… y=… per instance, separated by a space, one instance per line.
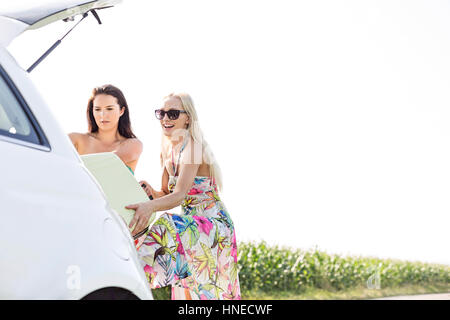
x=192 y=145
x=75 y=135
x=193 y=153
x=78 y=137
x=79 y=140
x=132 y=145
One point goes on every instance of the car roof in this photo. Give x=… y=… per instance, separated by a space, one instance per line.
x=19 y=16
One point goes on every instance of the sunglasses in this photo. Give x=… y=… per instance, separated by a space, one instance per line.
x=173 y=114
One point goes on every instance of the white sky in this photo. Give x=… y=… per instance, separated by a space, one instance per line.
x=330 y=119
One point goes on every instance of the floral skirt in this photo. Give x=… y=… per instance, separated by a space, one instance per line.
x=194 y=252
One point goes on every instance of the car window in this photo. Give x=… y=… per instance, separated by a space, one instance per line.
x=16 y=121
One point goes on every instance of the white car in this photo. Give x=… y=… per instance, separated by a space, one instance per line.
x=59 y=238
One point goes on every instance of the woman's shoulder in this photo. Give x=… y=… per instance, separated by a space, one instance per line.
x=132 y=144
x=79 y=140
x=77 y=137
x=192 y=153
x=192 y=145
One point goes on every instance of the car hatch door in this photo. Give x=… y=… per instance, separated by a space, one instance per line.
x=19 y=16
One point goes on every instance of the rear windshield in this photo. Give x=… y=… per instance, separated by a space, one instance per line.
x=15 y=120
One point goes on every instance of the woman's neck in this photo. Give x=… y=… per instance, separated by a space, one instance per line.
x=108 y=137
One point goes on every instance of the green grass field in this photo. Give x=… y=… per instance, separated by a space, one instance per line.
x=272 y=272
x=347 y=294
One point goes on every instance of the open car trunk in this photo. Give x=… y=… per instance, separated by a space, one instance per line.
x=17 y=16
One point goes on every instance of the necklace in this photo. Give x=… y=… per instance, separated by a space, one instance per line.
x=175 y=164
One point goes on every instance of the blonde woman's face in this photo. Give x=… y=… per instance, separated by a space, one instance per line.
x=106 y=111
x=173 y=126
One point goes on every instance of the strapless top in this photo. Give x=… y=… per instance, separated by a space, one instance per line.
x=202 y=193
x=130 y=169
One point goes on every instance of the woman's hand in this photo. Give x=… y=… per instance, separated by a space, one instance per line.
x=152 y=193
x=148 y=189
x=141 y=217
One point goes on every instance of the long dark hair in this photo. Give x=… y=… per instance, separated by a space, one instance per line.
x=124 y=126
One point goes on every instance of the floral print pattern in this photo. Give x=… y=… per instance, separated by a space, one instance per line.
x=195 y=252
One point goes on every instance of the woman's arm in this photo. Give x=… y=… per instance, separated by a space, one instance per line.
x=188 y=171
x=165 y=178
x=184 y=184
x=165 y=182
x=145 y=209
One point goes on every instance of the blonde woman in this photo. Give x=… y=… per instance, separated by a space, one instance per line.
x=194 y=251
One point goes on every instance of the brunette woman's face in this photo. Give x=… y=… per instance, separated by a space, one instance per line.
x=173 y=126
x=106 y=111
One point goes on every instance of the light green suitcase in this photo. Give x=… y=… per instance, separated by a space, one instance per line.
x=119 y=185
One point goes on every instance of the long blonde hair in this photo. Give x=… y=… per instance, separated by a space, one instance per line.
x=195 y=132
